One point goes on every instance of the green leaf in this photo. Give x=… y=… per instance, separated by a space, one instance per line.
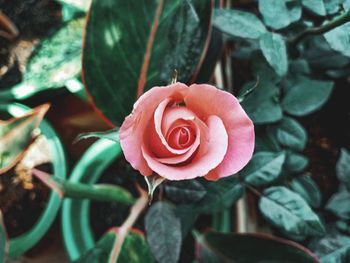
x=82 y=5
x=339 y=39
x=264 y=168
x=250 y=248
x=290 y=133
x=343 y=167
x=338 y=204
x=112 y=135
x=306 y=96
x=278 y=14
x=306 y=187
x=3 y=240
x=289 y=212
x=134 y=249
x=266 y=142
x=124 y=56
x=220 y=195
x=274 y=49
x=187 y=191
x=163 y=231
x=187 y=216
x=336 y=6
x=315 y=6
x=331 y=248
x=295 y=162
x=262 y=105
x=55 y=61
x=238 y=23
x=17 y=134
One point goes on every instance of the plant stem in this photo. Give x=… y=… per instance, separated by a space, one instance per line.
x=338 y=21
x=103 y=192
x=136 y=210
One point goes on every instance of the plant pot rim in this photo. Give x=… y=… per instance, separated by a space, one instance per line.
x=77 y=233
x=19 y=245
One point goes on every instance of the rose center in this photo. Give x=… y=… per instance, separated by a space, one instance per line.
x=181 y=137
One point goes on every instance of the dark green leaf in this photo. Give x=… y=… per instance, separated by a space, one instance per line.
x=338 y=204
x=17 y=134
x=188 y=191
x=118 y=38
x=187 y=215
x=289 y=212
x=306 y=96
x=163 y=231
x=295 y=162
x=278 y=13
x=274 y=49
x=134 y=249
x=3 y=241
x=238 y=23
x=220 y=195
x=290 y=133
x=262 y=105
x=264 y=168
x=266 y=142
x=250 y=248
x=343 y=167
x=315 y=6
x=308 y=189
x=298 y=67
x=112 y=135
x=339 y=39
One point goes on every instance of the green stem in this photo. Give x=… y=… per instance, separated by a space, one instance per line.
x=222 y=221
x=338 y=21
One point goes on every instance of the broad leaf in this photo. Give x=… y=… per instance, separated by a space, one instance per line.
x=262 y=104
x=343 y=167
x=290 y=133
x=306 y=187
x=131 y=47
x=16 y=135
x=163 y=231
x=188 y=191
x=315 y=6
x=295 y=162
x=238 y=23
x=289 y=212
x=187 y=216
x=250 y=248
x=339 y=39
x=274 y=49
x=264 y=168
x=279 y=13
x=338 y=204
x=134 y=249
x=112 y=135
x=306 y=96
x=55 y=61
x=3 y=240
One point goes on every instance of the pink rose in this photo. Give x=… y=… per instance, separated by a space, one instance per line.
x=181 y=132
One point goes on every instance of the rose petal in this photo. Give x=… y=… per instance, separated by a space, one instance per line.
x=205 y=100
x=134 y=125
x=211 y=153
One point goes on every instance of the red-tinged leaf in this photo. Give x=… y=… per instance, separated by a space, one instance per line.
x=17 y=134
x=132 y=46
x=3 y=241
x=250 y=248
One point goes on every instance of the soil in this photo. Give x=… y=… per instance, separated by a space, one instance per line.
x=22 y=207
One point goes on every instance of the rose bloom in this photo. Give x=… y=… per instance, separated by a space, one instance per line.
x=181 y=132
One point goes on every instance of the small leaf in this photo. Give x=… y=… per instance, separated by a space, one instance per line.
x=289 y=212
x=264 y=168
x=153 y=181
x=238 y=23
x=163 y=231
x=338 y=204
x=339 y=39
x=343 y=167
x=16 y=135
x=290 y=133
x=188 y=191
x=3 y=240
x=274 y=49
x=295 y=162
x=306 y=96
x=315 y=6
x=112 y=135
x=250 y=248
x=306 y=187
x=134 y=249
